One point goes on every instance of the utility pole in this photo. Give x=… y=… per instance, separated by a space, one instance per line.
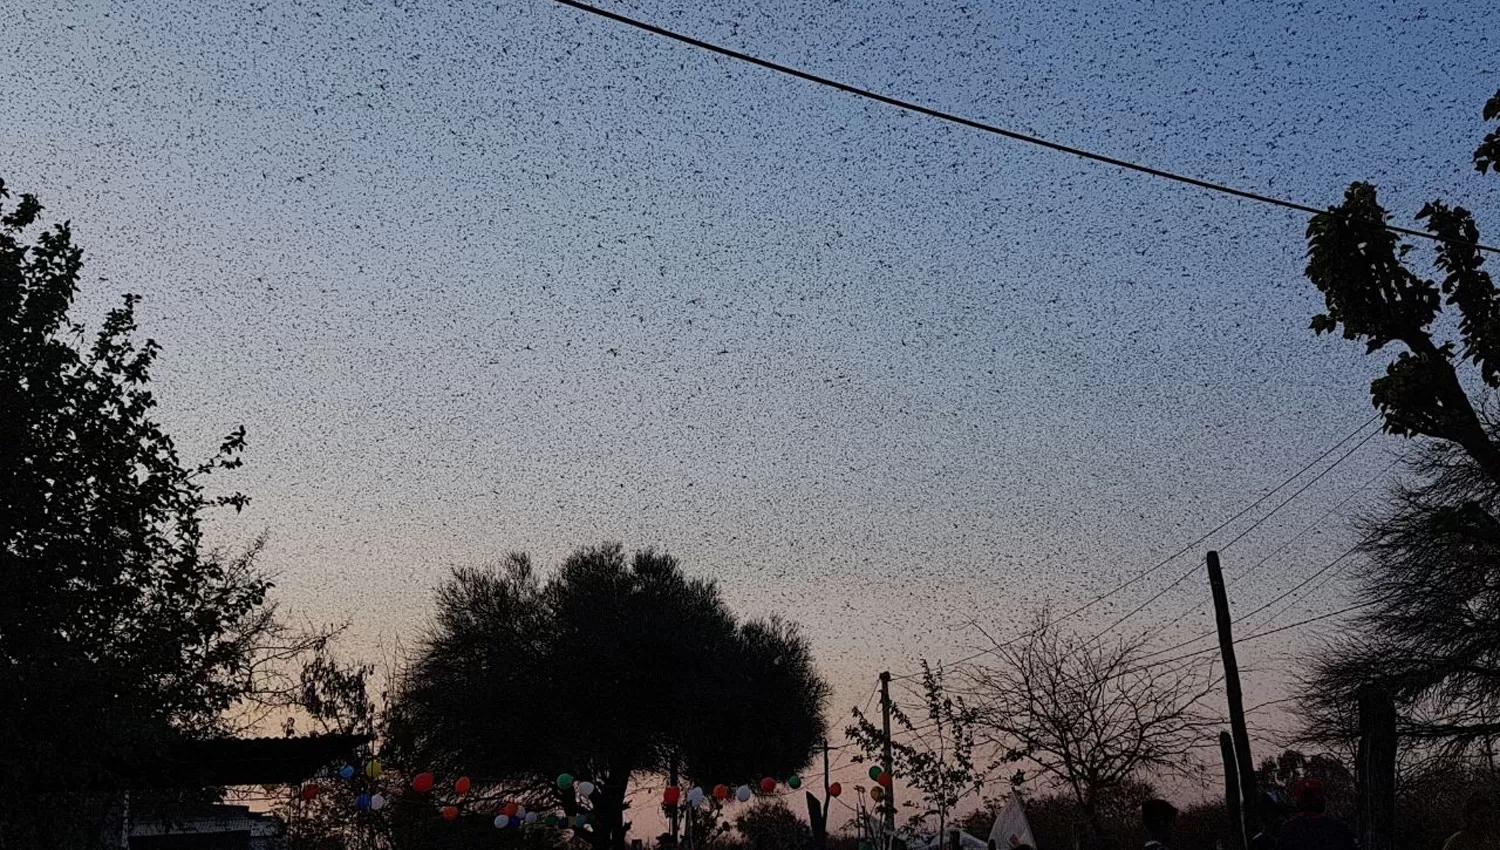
x=1250 y=810
x=889 y=808
x=675 y=809
x=825 y=767
x=1232 y=792
x=1377 y=769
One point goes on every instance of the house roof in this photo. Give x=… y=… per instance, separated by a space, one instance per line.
x=245 y=761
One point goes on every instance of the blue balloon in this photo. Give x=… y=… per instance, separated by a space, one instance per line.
x=581 y=820
x=347 y=771
x=362 y=801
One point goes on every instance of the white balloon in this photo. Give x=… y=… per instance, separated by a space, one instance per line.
x=501 y=821
x=520 y=811
x=695 y=796
x=377 y=802
x=531 y=817
x=586 y=788
x=743 y=794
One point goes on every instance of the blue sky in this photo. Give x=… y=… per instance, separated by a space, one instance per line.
x=482 y=278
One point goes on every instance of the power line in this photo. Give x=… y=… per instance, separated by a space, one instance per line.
x=1267 y=515
x=1175 y=555
x=990 y=128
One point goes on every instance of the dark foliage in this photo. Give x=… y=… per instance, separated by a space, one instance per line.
x=118 y=630
x=1430 y=581
x=612 y=668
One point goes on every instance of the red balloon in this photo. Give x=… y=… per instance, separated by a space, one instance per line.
x=462 y=785
x=422 y=783
x=835 y=789
x=885 y=779
x=671 y=795
x=310 y=791
x=510 y=810
x=450 y=812
x=721 y=792
x=767 y=785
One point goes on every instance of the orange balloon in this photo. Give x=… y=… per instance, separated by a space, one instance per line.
x=450 y=812
x=462 y=785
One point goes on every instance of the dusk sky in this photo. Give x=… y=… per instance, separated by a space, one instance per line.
x=490 y=277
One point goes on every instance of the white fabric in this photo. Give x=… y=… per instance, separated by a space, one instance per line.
x=1011 y=828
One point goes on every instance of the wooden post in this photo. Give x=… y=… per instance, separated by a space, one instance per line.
x=675 y=810
x=1232 y=792
x=817 y=819
x=1249 y=794
x=887 y=806
x=954 y=843
x=1377 y=769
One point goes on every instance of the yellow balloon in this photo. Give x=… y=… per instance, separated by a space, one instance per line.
x=877 y=793
x=372 y=769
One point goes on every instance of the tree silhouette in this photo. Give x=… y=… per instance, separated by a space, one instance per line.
x=1087 y=712
x=1430 y=632
x=608 y=670
x=119 y=632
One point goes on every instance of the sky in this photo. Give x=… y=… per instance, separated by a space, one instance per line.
x=490 y=277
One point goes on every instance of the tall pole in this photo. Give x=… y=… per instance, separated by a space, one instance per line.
x=1232 y=792
x=1377 y=769
x=1250 y=811
x=889 y=808
x=674 y=813
x=825 y=767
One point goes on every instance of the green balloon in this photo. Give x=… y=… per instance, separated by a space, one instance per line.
x=794 y=783
x=565 y=781
x=582 y=819
x=875 y=772
x=552 y=820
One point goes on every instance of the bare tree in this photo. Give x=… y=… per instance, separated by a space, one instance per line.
x=1087 y=712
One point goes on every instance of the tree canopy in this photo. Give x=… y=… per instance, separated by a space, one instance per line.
x=611 y=668
x=118 y=630
x=1429 y=631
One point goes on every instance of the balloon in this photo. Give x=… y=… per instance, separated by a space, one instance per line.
x=885 y=779
x=695 y=796
x=551 y=820
x=877 y=793
x=835 y=789
x=377 y=802
x=721 y=791
x=310 y=791
x=347 y=771
x=531 y=817
x=767 y=785
x=794 y=783
x=742 y=793
x=565 y=781
x=462 y=785
x=521 y=810
x=511 y=809
x=672 y=795
x=875 y=771
x=581 y=820
x=450 y=812
x=422 y=783
x=501 y=821
x=586 y=788
x=372 y=769
x=362 y=801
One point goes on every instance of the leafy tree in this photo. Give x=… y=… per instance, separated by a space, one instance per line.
x=771 y=825
x=119 y=631
x=1087 y=713
x=611 y=669
x=1430 y=579
x=936 y=758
